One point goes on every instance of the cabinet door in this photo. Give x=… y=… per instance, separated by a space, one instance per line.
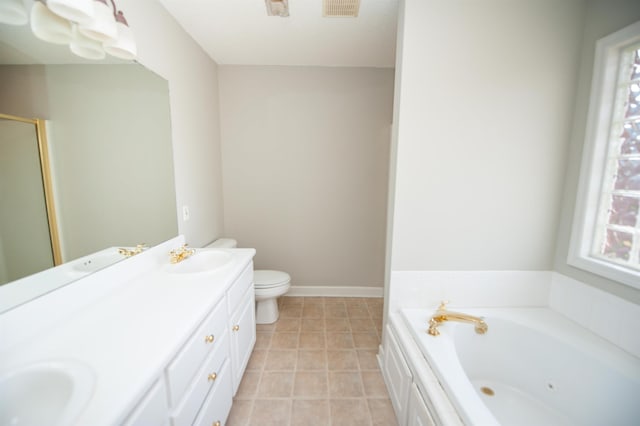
x=397 y=376
x=418 y=412
x=243 y=336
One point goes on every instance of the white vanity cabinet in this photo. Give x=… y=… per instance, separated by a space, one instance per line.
x=242 y=325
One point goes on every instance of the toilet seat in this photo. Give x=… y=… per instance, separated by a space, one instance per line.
x=266 y=278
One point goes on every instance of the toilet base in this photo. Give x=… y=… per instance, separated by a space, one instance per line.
x=267 y=311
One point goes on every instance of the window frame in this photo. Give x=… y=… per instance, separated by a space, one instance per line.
x=599 y=119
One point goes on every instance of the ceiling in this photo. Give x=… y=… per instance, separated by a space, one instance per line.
x=239 y=32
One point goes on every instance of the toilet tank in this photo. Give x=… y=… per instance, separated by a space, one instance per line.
x=223 y=243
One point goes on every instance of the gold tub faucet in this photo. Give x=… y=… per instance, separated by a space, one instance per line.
x=442 y=315
x=180 y=254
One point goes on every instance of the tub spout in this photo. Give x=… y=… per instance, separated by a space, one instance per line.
x=442 y=315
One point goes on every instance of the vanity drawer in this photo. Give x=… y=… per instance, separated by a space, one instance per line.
x=217 y=406
x=205 y=339
x=152 y=409
x=201 y=384
x=237 y=290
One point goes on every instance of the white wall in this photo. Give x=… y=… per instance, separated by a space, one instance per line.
x=483 y=117
x=602 y=18
x=305 y=160
x=164 y=47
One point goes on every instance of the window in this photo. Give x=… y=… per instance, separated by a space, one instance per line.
x=606 y=233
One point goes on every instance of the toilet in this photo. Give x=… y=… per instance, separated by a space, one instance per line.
x=268 y=284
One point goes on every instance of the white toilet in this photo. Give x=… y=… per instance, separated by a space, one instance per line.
x=268 y=284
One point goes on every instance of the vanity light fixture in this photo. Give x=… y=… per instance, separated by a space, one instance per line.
x=48 y=26
x=102 y=27
x=124 y=46
x=74 y=10
x=277 y=8
x=84 y=46
x=13 y=12
x=91 y=28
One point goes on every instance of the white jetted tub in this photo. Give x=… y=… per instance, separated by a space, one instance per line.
x=532 y=367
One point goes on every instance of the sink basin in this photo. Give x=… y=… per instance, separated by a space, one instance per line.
x=52 y=393
x=201 y=262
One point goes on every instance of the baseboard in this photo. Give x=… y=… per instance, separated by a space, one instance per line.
x=325 y=291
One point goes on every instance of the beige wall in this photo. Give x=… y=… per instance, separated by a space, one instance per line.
x=164 y=47
x=602 y=18
x=305 y=160
x=24 y=230
x=482 y=119
x=109 y=139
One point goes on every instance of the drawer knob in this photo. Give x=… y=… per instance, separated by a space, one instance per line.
x=212 y=377
x=209 y=339
x=236 y=327
x=217 y=423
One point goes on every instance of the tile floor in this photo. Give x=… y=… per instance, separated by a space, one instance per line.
x=316 y=366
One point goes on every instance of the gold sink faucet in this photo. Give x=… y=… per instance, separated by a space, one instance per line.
x=132 y=252
x=442 y=315
x=180 y=254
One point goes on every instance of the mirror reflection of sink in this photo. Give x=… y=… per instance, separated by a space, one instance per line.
x=46 y=393
x=207 y=260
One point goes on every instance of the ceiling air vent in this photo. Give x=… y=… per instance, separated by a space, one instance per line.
x=340 y=8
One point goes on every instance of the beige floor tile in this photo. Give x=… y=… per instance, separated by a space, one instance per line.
x=313 y=324
x=284 y=341
x=270 y=412
x=256 y=362
x=345 y=384
x=307 y=412
x=374 y=384
x=365 y=340
x=358 y=311
x=334 y=301
x=240 y=412
x=335 y=311
x=314 y=301
x=342 y=360
x=287 y=325
x=381 y=412
x=309 y=384
x=263 y=340
x=291 y=311
x=311 y=360
x=281 y=360
x=337 y=324
x=267 y=328
x=275 y=384
x=368 y=359
x=340 y=341
x=289 y=300
x=313 y=311
x=349 y=412
x=312 y=341
x=362 y=324
x=248 y=385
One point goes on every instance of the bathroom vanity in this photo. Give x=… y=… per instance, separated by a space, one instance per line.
x=142 y=342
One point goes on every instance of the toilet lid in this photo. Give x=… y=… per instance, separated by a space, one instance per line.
x=268 y=278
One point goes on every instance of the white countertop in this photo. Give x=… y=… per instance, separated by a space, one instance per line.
x=126 y=336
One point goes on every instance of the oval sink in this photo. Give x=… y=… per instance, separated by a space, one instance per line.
x=45 y=393
x=200 y=262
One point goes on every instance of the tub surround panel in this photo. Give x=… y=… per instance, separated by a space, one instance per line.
x=420 y=289
x=613 y=318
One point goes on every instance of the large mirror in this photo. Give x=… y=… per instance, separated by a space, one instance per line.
x=108 y=130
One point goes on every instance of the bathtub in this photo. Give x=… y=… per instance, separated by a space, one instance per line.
x=532 y=367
